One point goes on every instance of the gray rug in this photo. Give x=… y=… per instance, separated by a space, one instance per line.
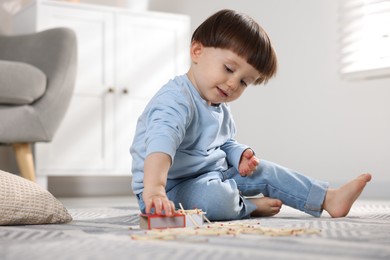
x=105 y=233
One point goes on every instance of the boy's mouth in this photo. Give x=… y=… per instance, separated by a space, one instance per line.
x=222 y=92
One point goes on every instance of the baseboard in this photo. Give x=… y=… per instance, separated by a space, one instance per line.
x=121 y=186
x=89 y=186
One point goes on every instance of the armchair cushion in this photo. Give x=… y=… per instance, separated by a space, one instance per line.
x=23 y=202
x=20 y=83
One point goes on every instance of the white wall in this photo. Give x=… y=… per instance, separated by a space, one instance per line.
x=308 y=118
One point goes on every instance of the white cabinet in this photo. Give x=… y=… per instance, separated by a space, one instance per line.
x=123 y=59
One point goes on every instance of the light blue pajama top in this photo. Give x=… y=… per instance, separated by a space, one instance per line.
x=198 y=137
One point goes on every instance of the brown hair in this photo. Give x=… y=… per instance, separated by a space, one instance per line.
x=238 y=32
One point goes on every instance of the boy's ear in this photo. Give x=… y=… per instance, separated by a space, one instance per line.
x=196 y=50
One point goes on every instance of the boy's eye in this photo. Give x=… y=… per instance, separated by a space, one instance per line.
x=243 y=83
x=228 y=69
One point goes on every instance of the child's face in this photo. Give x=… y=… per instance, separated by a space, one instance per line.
x=219 y=75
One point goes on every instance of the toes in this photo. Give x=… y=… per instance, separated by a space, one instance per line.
x=366 y=176
x=277 y=203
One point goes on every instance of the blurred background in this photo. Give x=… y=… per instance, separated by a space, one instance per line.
x=310 y=117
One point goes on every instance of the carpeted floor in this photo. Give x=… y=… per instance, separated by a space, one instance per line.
x=105 y=233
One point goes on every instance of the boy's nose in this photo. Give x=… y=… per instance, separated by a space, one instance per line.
x=232 y=84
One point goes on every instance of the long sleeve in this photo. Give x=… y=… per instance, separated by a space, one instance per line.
x=233 y=151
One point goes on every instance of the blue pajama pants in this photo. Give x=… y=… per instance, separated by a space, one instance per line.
x=223 y=194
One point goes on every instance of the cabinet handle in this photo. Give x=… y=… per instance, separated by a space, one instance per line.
x=125 y=91
x=111 y=90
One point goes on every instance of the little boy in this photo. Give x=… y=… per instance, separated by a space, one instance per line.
x=184 y=149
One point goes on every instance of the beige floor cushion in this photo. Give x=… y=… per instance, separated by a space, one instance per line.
x=23 y=202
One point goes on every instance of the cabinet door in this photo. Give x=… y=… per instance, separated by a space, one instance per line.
x=150 y=50
x=84 y=140
x=128 y=110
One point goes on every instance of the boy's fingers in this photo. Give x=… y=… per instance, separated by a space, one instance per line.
x=248 y=153
x=173 y=207
x=148 y=206
x=158 y=205
x=168 y=208
x=161 y=206
x=254 y=165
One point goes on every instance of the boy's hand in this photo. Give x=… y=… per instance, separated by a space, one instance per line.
x=248 y=163
x=157 y=199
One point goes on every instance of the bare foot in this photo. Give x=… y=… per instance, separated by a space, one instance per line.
x=339 y=201
x=266 y=206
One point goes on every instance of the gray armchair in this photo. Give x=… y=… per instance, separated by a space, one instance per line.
x=37 y=78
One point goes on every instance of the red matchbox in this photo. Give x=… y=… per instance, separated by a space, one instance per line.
x=151 y=221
